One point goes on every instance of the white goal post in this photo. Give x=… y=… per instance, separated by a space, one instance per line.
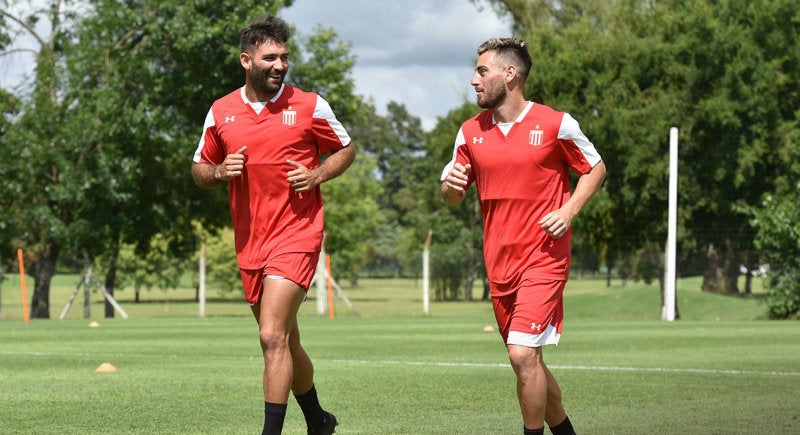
x=670 y=272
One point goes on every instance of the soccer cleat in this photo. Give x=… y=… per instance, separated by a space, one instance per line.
x=328 y=425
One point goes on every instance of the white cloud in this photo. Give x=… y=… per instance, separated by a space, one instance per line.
x=420 y=53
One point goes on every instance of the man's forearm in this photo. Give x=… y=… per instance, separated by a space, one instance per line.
x=205 y=175
x=336 y=163
x=451 y=196
x=587 y=185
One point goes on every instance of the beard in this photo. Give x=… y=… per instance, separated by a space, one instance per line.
x=260 y=80
x=491 y=97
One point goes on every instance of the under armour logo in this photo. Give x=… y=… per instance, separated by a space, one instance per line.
x=230 y=118
x=536 y=326
x=477 y=139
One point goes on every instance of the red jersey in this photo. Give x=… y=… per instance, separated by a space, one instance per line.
x=521 y=176
x=268 y=216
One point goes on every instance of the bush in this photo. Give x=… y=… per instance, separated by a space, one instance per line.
x=783 y=294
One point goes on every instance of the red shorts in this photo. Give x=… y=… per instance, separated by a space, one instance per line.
x=298 y=267
x=531 y=316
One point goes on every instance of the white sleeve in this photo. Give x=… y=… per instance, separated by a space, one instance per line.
x=459 y=141
x=208 y=123
x=322 y=110
x=571 y=130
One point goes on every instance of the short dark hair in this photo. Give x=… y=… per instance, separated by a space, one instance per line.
x=266 y=28
x=511 y=51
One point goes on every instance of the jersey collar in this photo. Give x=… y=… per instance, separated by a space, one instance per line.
x=272 y=100
x=521 y=115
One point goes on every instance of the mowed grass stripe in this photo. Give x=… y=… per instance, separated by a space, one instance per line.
x=667 y=370
x=387 y=370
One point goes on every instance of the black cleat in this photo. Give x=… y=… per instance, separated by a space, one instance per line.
x=328 y=425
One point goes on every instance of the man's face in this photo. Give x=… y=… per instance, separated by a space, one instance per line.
x=267 y=66
x=488 y=81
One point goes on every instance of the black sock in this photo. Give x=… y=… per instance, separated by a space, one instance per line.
x=539 y=431
x=274 y=414
x=563 y=428
x=312 y=410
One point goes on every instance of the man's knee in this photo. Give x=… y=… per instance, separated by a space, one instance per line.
x=272 y=339
x=524 y=359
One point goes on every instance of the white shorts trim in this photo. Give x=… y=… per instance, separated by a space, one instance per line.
x=549 y=336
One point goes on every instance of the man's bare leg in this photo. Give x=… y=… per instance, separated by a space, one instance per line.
x=531 y=383
x=277 y=322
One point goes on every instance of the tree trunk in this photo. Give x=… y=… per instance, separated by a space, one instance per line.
x=469 y=283
x=722 y=271
x=44 y=271
x=748 y=282
x=111 y=278
x=1 y=287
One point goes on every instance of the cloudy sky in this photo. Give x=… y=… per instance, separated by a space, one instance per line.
x=419 y=53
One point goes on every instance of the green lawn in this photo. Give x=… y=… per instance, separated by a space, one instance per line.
x=384 y=368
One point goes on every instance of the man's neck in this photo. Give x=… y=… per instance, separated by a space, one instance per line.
x=510 y=109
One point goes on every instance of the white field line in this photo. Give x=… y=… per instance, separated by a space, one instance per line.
x=564 y=367
x=365 y=362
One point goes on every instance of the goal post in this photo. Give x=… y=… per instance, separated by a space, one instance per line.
x=670 y=272
x=426 y=274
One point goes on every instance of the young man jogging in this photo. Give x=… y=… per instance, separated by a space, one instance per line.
x=519 y=154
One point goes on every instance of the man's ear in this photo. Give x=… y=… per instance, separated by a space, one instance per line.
x=510 y=73
x=245 y=60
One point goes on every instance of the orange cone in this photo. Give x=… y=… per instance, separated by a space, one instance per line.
x=106 y=368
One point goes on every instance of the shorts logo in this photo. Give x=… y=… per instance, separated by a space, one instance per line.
x=536 y=136
x=537 y=327
x=289 y=116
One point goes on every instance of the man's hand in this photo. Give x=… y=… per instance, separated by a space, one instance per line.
x=208 y=176
x=457 y=178
x=556 y=223
x=232 y=166
x=301 y=179
x=455 y=183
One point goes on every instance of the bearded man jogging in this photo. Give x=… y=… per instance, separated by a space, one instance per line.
x=265 y=140
x=519 y=154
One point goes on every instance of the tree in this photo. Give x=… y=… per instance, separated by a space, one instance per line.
x=778 y=235
x=457 y=243
x=102 y=149
x=9 y=108
x=38 y=159
x=324 y=66
x=140 y=73
x=397 y=143
x=723 y=72
x=351 y=217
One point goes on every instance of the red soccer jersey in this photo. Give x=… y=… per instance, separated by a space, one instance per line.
x=521 y=176
x=268 y=216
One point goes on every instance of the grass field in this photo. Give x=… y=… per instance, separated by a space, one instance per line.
x=384 y=368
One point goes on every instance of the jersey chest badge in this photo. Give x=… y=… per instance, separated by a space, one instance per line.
x=536 y=136
x=289 y=116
